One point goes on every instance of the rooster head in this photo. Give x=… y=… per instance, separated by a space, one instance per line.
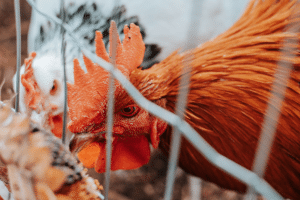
x=87 y=101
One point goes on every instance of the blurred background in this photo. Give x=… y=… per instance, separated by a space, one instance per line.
x=8 y=41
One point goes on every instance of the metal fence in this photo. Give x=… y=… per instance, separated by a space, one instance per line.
x=181 y=128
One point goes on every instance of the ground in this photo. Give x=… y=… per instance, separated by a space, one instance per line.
x=146 y=183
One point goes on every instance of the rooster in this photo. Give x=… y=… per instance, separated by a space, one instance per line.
x=46 y=98
x=231 y=78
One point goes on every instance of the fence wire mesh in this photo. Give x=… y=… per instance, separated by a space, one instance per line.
x=18 y=36
x=63 y=51
x=252 y=178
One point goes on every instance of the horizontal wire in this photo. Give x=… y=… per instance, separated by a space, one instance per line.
x=232 y=168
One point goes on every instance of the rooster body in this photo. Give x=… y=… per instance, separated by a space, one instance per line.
x=231 y=79
x=158 y=23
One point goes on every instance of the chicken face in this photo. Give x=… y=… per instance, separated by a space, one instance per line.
x=42 y=91
x=87 y=100
x=132 y=129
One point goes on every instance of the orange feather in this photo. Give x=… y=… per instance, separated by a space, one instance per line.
x=229 y=90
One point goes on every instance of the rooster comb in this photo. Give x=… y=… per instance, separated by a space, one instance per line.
x=87 y=96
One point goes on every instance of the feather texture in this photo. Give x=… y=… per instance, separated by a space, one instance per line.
x=158 y=24
x=230 y=86
x=38 y=165
x=231 y=78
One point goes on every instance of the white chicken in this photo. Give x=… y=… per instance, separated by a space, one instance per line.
x=164 y=26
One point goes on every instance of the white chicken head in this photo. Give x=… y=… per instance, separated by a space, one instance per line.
x=42 y=91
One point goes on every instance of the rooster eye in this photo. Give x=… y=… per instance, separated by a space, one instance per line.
x=130 y=111
x=54 y=88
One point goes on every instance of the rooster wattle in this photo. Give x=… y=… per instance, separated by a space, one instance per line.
x=231 y=77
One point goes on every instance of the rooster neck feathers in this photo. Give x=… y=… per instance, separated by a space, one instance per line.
x=229 y=88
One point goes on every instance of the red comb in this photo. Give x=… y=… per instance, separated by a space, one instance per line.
x=87 y=96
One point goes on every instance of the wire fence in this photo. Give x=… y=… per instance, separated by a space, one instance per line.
x=252 y=178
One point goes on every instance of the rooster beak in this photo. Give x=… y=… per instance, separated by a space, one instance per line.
x=82 y=140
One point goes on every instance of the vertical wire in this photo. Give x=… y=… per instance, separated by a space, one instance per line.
x=195 y=187
x=182 y=101
x=63 y=53
x=110 y=103
x=176 y=136
x=111 y=90
x=18 y=38
x=273 y=111
x=192 y=36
